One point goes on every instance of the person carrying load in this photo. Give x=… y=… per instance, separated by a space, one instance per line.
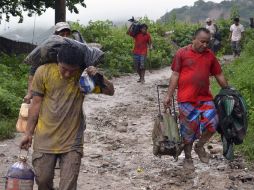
x=142 y=40
x=192 y=67
x=55 y=118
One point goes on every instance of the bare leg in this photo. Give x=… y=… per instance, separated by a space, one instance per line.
x=199 y=147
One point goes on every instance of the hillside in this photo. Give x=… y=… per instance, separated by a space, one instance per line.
x=202 y=10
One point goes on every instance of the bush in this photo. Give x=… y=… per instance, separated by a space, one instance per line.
x=183 y=33
x=7 y=128
x=118 y=46
x=13 y=85
x=240 y=75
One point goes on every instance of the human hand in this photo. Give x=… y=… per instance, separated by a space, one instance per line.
x=27 y=98
x=91 y=71
x=26 y=142
x=167 y=102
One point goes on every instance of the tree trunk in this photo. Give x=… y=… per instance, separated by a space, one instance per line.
x=60 y=11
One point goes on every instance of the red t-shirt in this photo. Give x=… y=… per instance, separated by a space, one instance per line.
x=194 y=71
x=141 y=42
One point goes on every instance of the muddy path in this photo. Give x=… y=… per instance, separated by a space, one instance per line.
x=118 y=147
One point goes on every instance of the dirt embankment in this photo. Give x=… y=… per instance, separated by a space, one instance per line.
x=118 y=147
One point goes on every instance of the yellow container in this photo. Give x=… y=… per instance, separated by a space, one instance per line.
x=23 y=116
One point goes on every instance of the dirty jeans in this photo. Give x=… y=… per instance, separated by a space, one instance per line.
x=236 y=47
x=139 y=61
x=44 y=166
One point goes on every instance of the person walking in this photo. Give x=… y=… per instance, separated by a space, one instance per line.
x=142 y=40
x=236 y=36
x=56 y=120
x=62 y=29
x=192 y=66
x=214 y=41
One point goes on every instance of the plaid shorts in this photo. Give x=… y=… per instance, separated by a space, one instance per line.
x=139 y=61
x=196 y=119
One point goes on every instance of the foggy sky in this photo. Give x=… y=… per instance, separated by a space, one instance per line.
x=115 y=10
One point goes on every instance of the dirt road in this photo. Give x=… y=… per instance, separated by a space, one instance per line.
x=118 y=147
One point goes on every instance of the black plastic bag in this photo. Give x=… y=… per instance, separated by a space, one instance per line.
x=48 y=50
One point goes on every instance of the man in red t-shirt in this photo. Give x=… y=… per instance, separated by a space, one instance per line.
x=192 y=66
x=142 y=41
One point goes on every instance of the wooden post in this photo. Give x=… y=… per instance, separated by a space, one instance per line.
x=60 y=11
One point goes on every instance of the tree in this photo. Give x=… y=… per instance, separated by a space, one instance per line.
x=199 y=3
x=60 y=11
x=173 y=18
x=15 y=7
x=234 y=12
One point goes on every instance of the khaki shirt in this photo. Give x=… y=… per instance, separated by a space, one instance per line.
x=60 y=125
x=212 y=30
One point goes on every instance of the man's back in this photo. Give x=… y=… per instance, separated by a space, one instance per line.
x=60 y=124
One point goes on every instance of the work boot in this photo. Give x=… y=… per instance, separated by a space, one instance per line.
x=202 y=154
x=188 y=164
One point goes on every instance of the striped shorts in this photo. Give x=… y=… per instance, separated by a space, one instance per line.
x=196 y=119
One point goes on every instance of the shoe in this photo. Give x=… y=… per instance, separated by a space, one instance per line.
x=139 y=80
x=188 y=164
x=202 y=154
x=142 y=81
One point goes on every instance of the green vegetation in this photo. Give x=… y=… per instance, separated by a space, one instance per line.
x=118 y=60
x=118 y=46
x=13 y=83
x=240 y=75
x=200 y=10
x=17 y=8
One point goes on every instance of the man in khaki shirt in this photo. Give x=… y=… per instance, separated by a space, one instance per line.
x=56 y=119
x=213 y=31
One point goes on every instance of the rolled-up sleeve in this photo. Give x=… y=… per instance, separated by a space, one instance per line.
x=38 y=85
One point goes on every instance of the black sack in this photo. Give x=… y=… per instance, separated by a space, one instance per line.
x=77 y=36
x=135 y=29
x=233 y=119
x=48 y=50
x=217 y=34
x=135 y=26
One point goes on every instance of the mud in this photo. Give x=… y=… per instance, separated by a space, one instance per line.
x=118 y=147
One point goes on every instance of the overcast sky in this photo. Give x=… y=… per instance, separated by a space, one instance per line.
x=115 y=10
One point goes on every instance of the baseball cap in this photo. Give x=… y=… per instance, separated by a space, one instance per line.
x=208 y=20
x=61 y=26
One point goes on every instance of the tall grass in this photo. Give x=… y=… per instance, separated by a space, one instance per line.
x=240 y=75
x=13 y=84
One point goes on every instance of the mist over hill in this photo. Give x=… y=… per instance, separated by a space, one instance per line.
x=201 y=10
